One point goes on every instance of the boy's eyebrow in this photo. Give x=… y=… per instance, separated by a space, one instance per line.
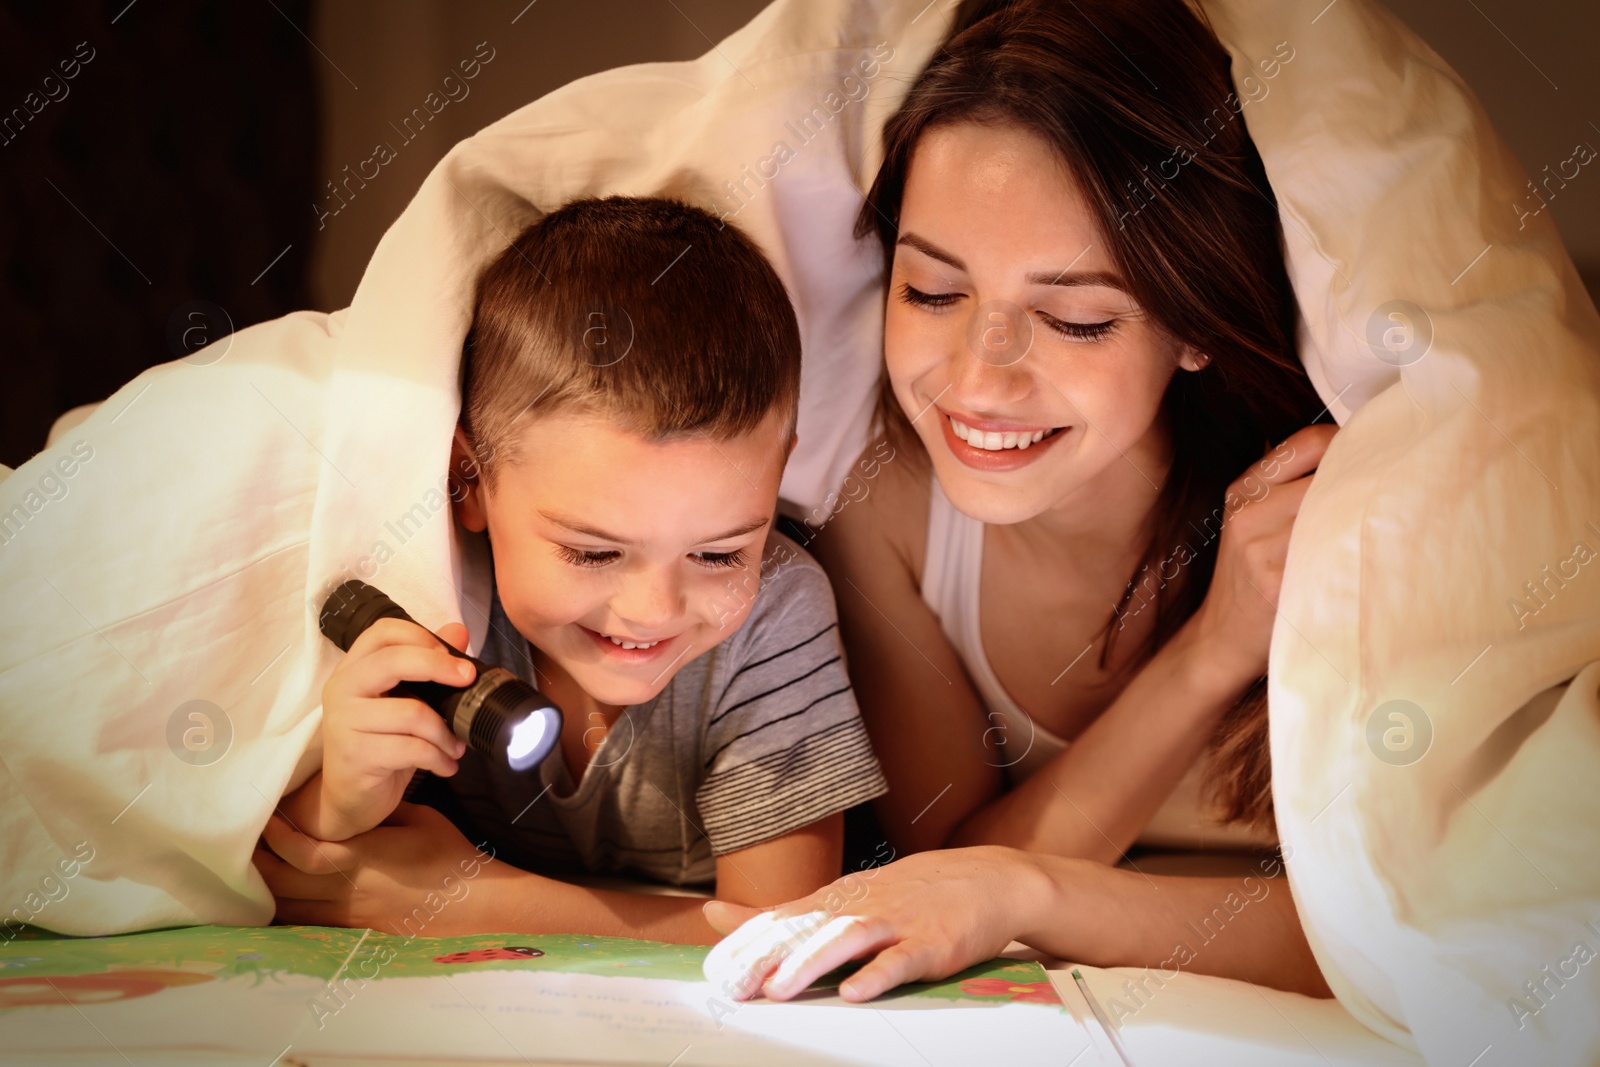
x=1061 y=277
x=600 y=535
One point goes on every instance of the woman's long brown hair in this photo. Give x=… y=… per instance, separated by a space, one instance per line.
x=1124 y=91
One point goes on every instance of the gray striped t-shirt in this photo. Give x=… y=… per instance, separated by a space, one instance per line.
x=752 y=739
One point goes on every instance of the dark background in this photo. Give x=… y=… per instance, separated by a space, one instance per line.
x=183 y=162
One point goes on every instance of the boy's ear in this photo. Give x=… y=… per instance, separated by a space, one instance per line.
x=793 y=441
x=466 y=485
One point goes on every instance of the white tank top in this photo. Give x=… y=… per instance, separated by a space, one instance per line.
x=951 y=570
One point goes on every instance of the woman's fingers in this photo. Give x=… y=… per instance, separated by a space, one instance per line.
x=760 y=925
x=297 y=912
x=742 y=961
x=782 y=956
x=288 y=883
x=895 y=965
x=819 y=951
x=1297 y=456
x=725 y=917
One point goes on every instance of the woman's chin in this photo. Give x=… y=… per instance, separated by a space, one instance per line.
x=997 y=500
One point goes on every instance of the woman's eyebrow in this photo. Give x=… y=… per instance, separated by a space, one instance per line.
x=1109 y=279
x=931 y=250
x=1066 y=276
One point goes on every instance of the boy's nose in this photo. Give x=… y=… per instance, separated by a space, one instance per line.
x=648 y=604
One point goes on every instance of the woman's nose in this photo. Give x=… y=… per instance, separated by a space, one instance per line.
x=989 y=357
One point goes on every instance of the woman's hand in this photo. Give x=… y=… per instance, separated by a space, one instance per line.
x=1234 y=623
x=371 y=742
x=922 y=917
x=412 y=875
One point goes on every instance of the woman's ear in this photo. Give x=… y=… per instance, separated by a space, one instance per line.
x=466 y=484
x=1192 y=359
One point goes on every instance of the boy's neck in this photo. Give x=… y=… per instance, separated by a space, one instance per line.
x=585 y=722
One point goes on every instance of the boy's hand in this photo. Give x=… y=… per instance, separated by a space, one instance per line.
x=373 y=742
x=415 y=874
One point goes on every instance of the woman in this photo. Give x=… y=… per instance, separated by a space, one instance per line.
x=1088 y=337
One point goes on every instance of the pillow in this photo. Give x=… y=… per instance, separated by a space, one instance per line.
x=165 y=559
x=1433 y=675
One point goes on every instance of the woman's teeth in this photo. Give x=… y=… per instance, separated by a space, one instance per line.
x=629 y=644
x=994 y=441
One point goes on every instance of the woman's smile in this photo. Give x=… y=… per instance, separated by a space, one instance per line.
x=996 y=445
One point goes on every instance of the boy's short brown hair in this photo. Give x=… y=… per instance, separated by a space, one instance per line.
x=644 y=309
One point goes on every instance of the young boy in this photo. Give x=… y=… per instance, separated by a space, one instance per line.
x=631 y=387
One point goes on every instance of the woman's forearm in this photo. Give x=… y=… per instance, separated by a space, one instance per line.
x=522 y=902
x=1093 y=799
x=1244 y=928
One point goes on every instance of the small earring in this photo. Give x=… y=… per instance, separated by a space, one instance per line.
x=1204 y=360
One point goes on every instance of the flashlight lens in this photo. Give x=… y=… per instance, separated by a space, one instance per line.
x=525 y=747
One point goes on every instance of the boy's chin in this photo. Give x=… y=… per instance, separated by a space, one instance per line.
x=606 y=687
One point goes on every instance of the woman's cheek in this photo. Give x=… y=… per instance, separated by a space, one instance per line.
x=1119 y=392
x=905 y=348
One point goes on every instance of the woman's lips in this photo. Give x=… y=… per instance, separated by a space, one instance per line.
x=628 y=655
x=1006 y=459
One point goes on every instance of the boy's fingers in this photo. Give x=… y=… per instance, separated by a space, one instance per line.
x=381 y=670
x=456 y=634
x=726 y=917
x=406 y=717
x=303 y=853
x=392 y=753
x=387 y=632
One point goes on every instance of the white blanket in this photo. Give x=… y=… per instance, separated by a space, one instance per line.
x=174 y=547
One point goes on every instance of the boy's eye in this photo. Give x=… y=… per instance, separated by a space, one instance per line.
x=721 y=559
x=586 y=557
x=918 y=298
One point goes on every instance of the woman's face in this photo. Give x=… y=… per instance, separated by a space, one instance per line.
x=1007 y=323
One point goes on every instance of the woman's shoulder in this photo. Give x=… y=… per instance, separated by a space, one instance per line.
x=879 y=515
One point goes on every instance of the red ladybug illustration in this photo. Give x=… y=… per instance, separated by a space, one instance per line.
x=478 y=955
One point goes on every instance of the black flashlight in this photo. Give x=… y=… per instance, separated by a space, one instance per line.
x=498 y=714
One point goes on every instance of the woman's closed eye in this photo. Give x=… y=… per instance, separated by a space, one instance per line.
x=1078 y=331
x=1072 y=331
x=918 y=298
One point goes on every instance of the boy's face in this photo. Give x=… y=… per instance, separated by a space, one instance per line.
x=601 y=536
